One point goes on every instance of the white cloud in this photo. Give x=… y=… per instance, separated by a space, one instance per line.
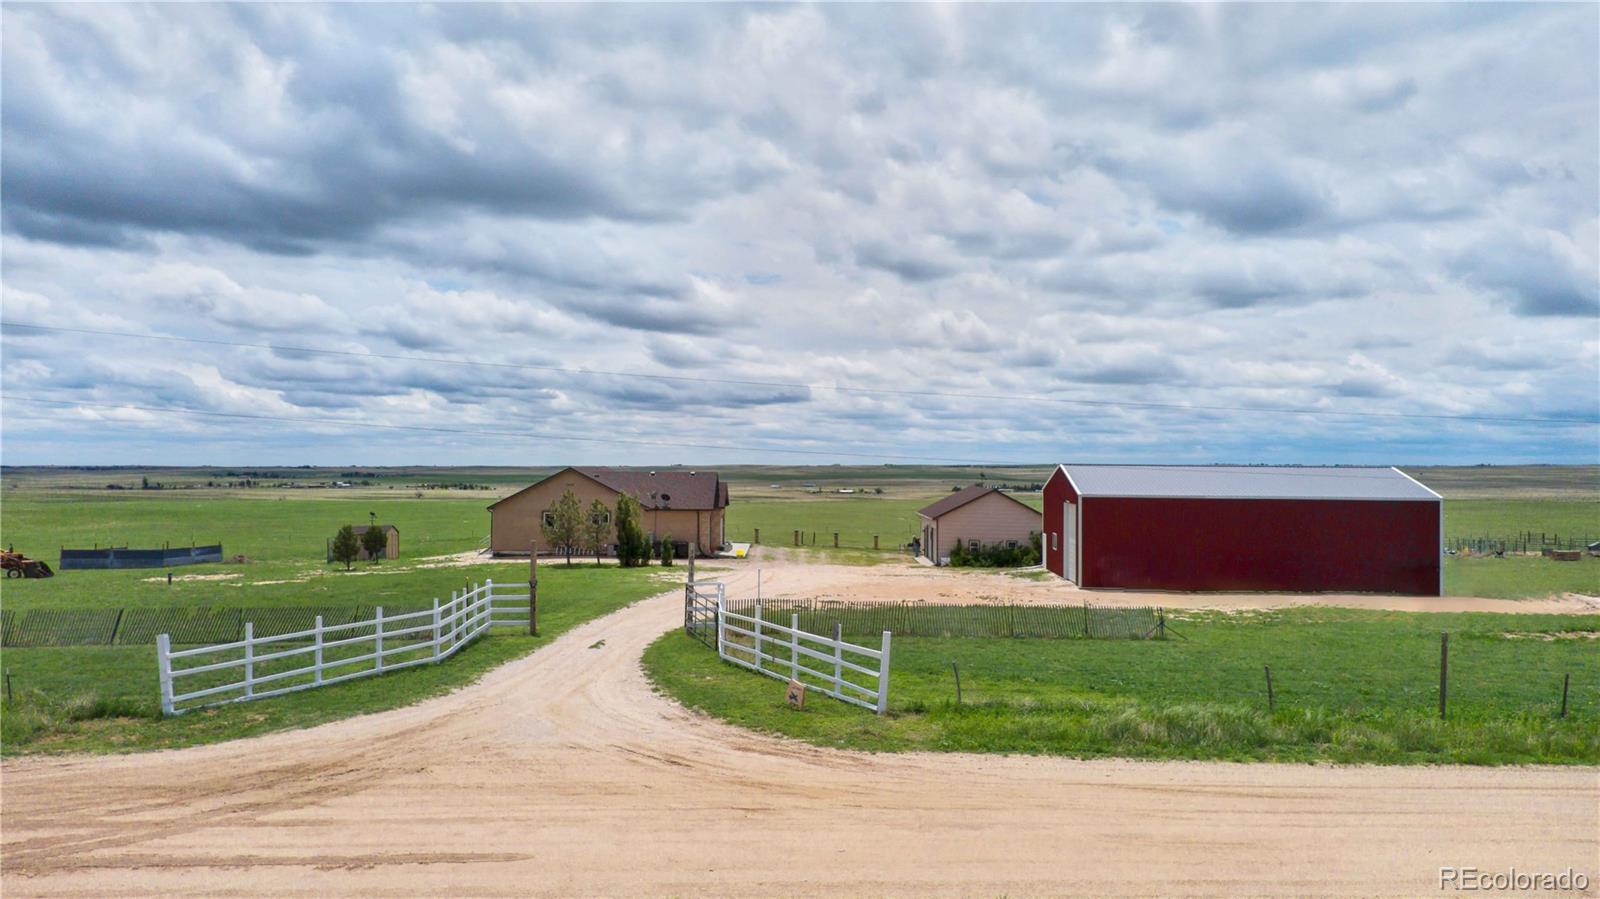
x=1374 y=208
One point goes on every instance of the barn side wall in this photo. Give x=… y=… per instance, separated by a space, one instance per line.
x=1232 y=544
x=1056 y=492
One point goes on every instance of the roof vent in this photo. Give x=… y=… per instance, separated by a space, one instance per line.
x=665 y=497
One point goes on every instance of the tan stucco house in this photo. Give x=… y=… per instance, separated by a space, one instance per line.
x=976 y=515
x=685 y=505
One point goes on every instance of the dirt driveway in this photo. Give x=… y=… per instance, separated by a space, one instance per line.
x=563 y=774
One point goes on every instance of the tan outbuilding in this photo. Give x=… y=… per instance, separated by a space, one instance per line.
x=684 y=505
x=977 y=516
x=391 y=543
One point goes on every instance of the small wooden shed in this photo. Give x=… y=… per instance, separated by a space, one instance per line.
x=391 y=547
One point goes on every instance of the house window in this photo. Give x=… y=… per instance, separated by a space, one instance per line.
x=972 y=545
x=549 y=519
x=601 y=518
x=1011 y=544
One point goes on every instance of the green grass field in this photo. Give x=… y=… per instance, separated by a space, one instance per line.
x=100 y=697
x=106 y=698
x=1350 y=686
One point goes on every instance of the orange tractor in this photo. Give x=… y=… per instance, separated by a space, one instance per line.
x=16 y=564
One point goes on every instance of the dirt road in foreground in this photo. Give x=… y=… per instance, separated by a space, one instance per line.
x=563 y=774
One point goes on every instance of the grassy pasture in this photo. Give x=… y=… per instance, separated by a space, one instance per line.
x=105 y=698
x=1350 y=686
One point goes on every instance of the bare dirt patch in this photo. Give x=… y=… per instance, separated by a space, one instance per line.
x=192 y=577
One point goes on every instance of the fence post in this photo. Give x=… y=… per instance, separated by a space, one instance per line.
x=721 y=653
x=874 y=541
x=533 y=588
x=164 y=665
x=1269 y=686
x=794 y=646
x=249 y=659
x=316 y=666
x=839 y=655
x=436 y=634
x=1566 y=680
x=488 y=595
x=377 y=639
x=1444 y=669
x=883 y=676
x=835 y=539
x=757 y=539
x=758 y=635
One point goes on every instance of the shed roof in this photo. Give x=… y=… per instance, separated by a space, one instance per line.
x=1246 y=482
x=963 y=496
x=386 y=528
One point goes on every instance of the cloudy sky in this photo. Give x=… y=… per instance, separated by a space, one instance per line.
x=1095 y=233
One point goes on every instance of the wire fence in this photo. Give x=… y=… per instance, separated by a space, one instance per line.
x=914 y=619
x=140 y=626
x=1522 y=543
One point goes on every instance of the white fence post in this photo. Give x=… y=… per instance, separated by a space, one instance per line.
x=794 y=646
x=758 y=635
x=721 y=653
x=249 y=659
x=838 y=655
x=377 y=639
x=883 y=676
x=436 y=628
x=488 y=594
x=316 y=671
x=164 y=664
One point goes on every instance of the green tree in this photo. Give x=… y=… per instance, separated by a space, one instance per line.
x=375 y=541
x=596 y=529
x=633 y=548
x=666 y=551
x=563 y=525
x=346 y=546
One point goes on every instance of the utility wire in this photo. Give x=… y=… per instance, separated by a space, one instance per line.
x=482 y=432
x=866 y=391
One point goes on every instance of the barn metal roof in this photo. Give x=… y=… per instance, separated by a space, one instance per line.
x=1245 y=482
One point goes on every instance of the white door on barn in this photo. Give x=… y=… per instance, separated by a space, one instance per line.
x=1069 y=542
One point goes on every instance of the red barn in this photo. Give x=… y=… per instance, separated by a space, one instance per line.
x=1224 y=527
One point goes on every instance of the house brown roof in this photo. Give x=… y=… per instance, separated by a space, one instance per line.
x=961 y=497
x=664 y=489
x=386 y=528
x=675 y=489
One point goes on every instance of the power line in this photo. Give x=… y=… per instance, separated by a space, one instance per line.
x=482 y=432
x=865 y=391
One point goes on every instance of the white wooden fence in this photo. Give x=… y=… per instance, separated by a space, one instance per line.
x=788 y=653
x=269 y=666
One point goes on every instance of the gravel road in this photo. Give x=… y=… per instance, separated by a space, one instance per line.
x=563 y=774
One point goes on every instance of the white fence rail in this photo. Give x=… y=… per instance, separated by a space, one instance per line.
x=202 y=676
x=789 y=653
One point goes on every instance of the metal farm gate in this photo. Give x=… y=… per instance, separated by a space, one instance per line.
x=700 y=601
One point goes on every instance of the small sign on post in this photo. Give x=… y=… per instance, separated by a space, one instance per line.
x=795 y=695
